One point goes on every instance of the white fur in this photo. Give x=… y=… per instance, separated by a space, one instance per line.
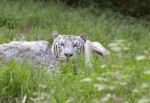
x=36 y=52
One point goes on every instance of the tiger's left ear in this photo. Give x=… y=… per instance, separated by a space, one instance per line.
x=84 y=37
x=55 y=34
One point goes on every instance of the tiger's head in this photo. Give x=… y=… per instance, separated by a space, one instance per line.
x=67 y=46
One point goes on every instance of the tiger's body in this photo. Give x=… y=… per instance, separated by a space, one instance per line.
x=38 y=53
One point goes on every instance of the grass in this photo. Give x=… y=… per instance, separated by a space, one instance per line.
x=123 y=77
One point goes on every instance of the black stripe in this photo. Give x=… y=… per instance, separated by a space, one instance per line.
x=55 y=50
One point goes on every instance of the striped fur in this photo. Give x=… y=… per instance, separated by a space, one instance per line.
x=67 y=44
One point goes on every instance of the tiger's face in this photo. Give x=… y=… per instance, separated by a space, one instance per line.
x=67 y=46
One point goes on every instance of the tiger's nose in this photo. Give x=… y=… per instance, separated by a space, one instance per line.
x=68 y=55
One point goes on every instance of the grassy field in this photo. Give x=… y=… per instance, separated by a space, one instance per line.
x=123 y=77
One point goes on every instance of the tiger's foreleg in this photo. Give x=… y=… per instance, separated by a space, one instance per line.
x=99 y=49
x=88 y=55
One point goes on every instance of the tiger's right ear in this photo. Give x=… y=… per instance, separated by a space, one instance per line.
x=55 y=34
x=84 y=37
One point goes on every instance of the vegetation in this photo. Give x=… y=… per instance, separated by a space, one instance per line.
x=136 y=8
x=123 y=77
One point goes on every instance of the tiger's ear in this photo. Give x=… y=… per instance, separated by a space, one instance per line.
x=84 y=37
x=55 y=34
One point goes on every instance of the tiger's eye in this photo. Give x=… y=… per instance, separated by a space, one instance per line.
x=62 y=44
x=75 y=45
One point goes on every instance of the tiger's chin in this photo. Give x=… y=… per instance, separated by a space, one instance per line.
x=65 y=59
x=62 y=59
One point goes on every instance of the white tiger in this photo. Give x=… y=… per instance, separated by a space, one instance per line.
x=66 y=46
x=63 y=48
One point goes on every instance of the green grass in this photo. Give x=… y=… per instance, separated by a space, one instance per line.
x=122 y=77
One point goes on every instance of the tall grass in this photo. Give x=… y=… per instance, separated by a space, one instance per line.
x=122 y=77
